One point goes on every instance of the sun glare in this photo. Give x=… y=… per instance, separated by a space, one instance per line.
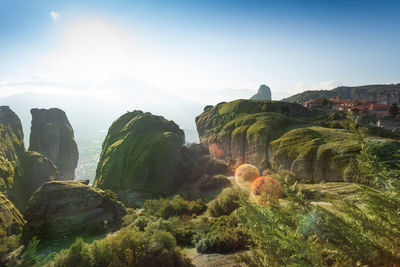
x=92 y=50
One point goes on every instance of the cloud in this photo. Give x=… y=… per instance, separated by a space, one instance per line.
x=328 y=85
x=54 y=15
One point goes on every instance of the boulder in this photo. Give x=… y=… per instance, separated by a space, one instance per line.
x=37 y=170
x=264 y=93
x=61 y=208
x=52 y=136
x=141 y=152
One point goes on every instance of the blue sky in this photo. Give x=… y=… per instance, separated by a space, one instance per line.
x=206 y=51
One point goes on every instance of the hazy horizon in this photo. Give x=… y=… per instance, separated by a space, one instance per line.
x=203 y=52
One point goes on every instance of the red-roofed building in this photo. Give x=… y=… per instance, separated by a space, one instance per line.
x=380 y=110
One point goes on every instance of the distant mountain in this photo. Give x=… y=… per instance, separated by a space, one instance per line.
x=264 y=93
x=374 y=93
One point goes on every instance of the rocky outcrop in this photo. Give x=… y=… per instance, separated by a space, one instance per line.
x=384 y=94
x=264 y=93
x=37 y=170
x=141 y=152
x=315 y=154
x=53 y=137
x=61 y=208
x=239 y=131
x=11 y=151
x=11 y=220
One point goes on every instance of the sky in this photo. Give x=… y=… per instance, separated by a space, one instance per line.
x=204 y=51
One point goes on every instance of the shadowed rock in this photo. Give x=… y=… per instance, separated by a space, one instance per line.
x=37 y=170
x=70 y=207
x=53 y=137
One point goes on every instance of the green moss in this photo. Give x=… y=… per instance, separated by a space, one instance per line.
x=11 y=220
x=141 y=152
x=315 y=153
x=11 y=152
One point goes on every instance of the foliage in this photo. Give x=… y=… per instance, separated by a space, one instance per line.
x=226 y=202
x=182 y=229
x=301 y=233
x=127 y=247
x=220 y=235
x=324 y=101
x=393 y=110
x=177 y=206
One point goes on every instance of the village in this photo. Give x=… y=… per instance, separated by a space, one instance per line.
x=387 y=115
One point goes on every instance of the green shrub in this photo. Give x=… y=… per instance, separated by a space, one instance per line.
x=127 y=247
x=182 y=229
x=177 y=206
x=348 y=233
x=220 y=235
x=226 y=202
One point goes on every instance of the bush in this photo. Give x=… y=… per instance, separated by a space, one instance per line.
x=182 y=229
x=177 y=206
x=220 y=235
x=127 y=247
x=226 y=202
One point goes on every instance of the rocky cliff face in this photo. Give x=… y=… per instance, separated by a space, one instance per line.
x=11 y=151
x=264 y=93
x=11 y=220
x=385 y=94
x=315 y=154
x=241 y=130
x=141 y=152
x=70 y=207
x=53 y=137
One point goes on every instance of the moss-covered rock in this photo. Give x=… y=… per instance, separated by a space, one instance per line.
x=37 y=170
x=11 y=220
x=11 y=151
x=53 y=137
x=70 y=207
x=141 y=152
x=241 y=129
x=315 y=154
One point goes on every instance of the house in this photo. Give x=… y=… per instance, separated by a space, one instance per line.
x=380 y=110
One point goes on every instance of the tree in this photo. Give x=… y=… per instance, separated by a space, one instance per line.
x=324 y=101
x=393 y=110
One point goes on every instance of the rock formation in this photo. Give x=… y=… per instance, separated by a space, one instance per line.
x=315 y=154
x=385 y=94
x=61 y=208
x=11 y=151
x=264 y=93
x=240 y=130
x=11 y=220
x=53 y=137
x=37 y=170
x=141 y=152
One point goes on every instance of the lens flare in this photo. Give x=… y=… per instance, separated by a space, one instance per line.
x=245 y=174
x=216 y=150
x=266 y=190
